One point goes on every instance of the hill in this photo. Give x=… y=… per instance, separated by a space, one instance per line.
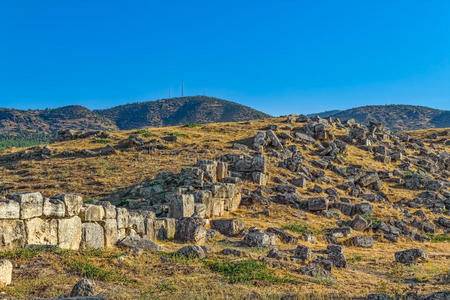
x=278 y=208
x=49 y=121
x=174 y=111
x=396 y=117
x=325 y=114
x=177 y=111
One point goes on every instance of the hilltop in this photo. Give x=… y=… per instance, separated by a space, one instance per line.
x=395 y=117
x=166 y=112
x=312 y=208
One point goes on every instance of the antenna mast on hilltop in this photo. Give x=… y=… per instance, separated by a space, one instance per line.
x=182 y=88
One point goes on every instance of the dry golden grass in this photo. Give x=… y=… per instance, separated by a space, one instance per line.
x=49 y=274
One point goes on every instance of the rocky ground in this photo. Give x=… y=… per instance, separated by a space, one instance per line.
x=317 y=208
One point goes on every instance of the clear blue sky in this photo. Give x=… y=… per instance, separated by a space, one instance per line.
x=277 y=56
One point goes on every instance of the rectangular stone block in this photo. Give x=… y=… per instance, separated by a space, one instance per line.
x=41 y=232
x=204 y=197
x=111 y=232
x=165 y=228
x=30 y=204
x=12 y=234
x=54 y=208
x=136 y=222
x=92 y=213
x=92 y=236
x=69 y=233
x=149 y=220
x=9 y=209
x=72 y=203
x=182 y=206
x=218 y=207
x=222 y=170
x=110 y=210
x=122 y=218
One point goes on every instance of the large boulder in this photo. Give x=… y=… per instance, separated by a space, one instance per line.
x=54 y=208
x=192 y=251
x=182 y=206
x=258 y=238
x=302 y=252
x=228 y=227
x=317 y=204
x=190 y=230
x=364 y=241
x=410 y=256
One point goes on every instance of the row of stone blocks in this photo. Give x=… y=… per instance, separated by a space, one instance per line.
x=65 y=221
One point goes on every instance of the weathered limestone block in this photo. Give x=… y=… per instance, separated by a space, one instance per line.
x=139 y=243
x=317 y=204
x=233 y=196
x=210 y=169
x=72 y=202
x=149 y=222
x=182 y=206
x=9 y=209
x=200 y=210
x=92 y=236
x=12 y=234
x=69 y=233
x=41 y=232
x=54 y=208
x=136 y=222
x=222 y=170
x=92 y=213
x=228 y=227
x=6 y=268
x=204 y=197
x=165 y=228
x=122 y=218
x=111 y=232
x=110 y=210
x=190 y=230
x=218 y=207
x=30 y=204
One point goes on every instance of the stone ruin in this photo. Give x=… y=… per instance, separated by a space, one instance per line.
x=171 y=206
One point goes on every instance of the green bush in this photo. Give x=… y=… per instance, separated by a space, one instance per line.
x=176 y=133
x=191 y=125
x=438 y=238
x=8 y=141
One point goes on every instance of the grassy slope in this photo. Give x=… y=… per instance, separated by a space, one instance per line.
x=51 y=274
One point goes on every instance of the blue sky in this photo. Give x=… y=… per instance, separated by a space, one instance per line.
x=277 y=56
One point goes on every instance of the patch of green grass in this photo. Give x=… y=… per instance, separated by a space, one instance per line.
x=167 y=286
x=438 y=238
x=355 y=258
x=101 y=141
x=371 y=218
x=25 y=253
x=175 y=133
x=124 y=203
x=300 y=228
x=245 y=271
x=191 y=125
x=25 y=140
x=88 y=200
x=86 y=269
x=144 y=133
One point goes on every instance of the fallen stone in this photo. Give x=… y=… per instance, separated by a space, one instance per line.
x=6 y=268
x=83 y=288
x=192 y=251
x=139 y=243
x=410 y=256
x=228 y=227
x=364 y=241
x=258 y=238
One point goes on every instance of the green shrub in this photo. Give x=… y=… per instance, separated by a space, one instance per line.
x=175 y=133
x=372 y=219
x=8 y=141
x=300 y=228
x=144 y=133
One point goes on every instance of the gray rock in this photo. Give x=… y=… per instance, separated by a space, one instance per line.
x=139 y=243
x=317 y=204
x=315 y=270
x=6 y=268
x=192 y=251
x=228 y=227
x=410 y=256
x=258 y=238
x=303 y=253
x=82 y=288
x=364 y=241
x=190 y=230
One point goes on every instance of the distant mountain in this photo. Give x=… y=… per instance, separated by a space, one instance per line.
x=166 y=112
x=49 y=121
x=398 y=117
x=325 y=114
